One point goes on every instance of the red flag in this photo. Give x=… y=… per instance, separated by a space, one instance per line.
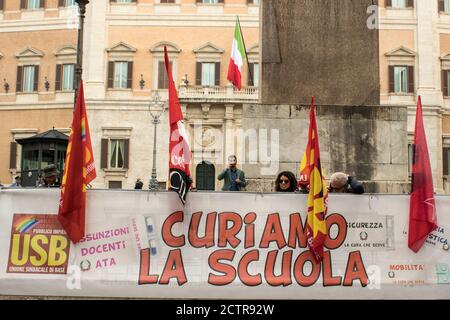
x=422 y=209
x=316 y=228
x=305 y=164
x=79 y=170
x=179 y=149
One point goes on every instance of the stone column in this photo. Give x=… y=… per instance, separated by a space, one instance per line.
x=429 y=85
x=94 y=57
x=230 y=148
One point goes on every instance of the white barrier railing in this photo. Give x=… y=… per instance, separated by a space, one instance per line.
x=218 y=92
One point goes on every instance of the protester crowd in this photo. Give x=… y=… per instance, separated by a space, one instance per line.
x=232 y=177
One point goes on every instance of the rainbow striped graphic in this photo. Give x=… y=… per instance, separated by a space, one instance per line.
x=83 y=128
x=26 y=224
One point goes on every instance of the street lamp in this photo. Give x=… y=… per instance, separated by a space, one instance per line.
x=160 y=107
x=79 y=68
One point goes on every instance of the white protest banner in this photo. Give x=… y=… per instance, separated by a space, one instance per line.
x=220 y=245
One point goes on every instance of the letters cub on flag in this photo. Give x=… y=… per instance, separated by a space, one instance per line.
x=179 y=148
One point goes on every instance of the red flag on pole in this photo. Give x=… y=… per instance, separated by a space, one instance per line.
x=79 y=170
x=179 y=149
x=318 y=191
x=422 y=209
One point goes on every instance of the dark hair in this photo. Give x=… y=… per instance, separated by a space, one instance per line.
x=139 y=184
x=291 y=178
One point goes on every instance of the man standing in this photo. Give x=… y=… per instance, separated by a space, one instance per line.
x=17 y=183
x=50 y=177
x=343 y=183
x=234 y=179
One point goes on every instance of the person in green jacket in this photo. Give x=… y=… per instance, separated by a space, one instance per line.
x=234 y=179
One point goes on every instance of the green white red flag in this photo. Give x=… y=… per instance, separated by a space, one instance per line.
x=238 y=56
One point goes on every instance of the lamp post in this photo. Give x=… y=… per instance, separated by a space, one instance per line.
x=79 y=67
x=156 y=116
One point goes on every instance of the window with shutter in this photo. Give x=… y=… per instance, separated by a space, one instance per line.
x=32 y=4
x=68 y=74
x=110 y=74
x=399 y=77
x=117 y=153
x=250 y=75
x=446 y=161
x=411 y=84
x=253 y=75
x=217 y=74
x=444 y=6
x=410 y=158
x=130 y=75
x=445 y=83
x=104 y=154
x=13 y=155
x=448 y=83
x=28 y=79
x=36 y=79
x=19 y=81
x=208 y=74
x=399 y=3
x=1 y=5
x=162 y=74
x=391 y=79
x=198 y=74
x=126 y=159
x=120 y=75
x=58 y=77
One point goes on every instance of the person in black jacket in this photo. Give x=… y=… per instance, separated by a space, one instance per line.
x=343 y=183
x=139 y=184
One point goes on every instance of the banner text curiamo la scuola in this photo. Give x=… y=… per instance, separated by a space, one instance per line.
x=291 y=263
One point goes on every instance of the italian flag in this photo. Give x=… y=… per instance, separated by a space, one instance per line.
x=237 y=58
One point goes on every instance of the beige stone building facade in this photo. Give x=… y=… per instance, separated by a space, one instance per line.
x=122 y=69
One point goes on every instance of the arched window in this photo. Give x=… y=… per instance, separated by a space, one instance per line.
x=205 y=176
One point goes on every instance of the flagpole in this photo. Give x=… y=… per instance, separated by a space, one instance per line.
x=245 y=49
x=79 y=67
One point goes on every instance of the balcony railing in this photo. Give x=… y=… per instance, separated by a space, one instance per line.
x=218 y=93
